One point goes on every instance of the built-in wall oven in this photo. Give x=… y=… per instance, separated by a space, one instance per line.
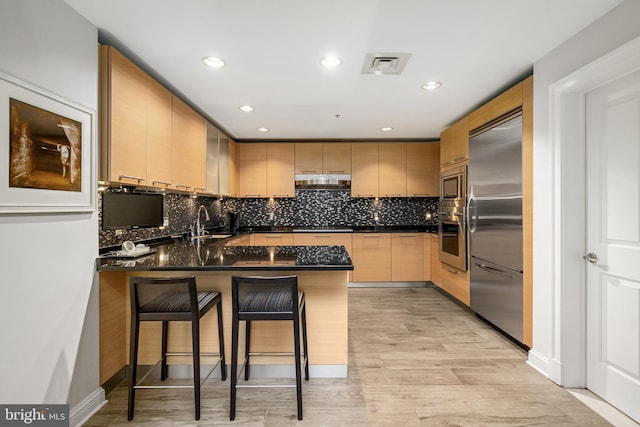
x=452 y=227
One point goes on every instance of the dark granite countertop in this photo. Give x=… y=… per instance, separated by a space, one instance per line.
x=211 y=255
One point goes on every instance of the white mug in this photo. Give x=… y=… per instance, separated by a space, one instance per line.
x=128 y=246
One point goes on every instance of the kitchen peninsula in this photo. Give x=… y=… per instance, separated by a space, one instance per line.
x=322 y=274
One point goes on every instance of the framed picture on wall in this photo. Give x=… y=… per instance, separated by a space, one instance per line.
x=46 y=141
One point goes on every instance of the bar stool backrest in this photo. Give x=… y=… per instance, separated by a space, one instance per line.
x=276 y=295
x=164 y=296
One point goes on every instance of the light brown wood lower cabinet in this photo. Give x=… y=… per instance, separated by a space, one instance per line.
x=273 y=239
x=407 y=257
x=455 y=282
x=371 y=257
x=436 y=265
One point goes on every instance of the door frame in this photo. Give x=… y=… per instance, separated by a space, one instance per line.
x=567 y=139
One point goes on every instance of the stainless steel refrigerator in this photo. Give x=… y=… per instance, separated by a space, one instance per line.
x=494 y=210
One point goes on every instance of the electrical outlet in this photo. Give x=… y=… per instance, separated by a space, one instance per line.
x=165 y=222
x=271 y=215
x=119 y=232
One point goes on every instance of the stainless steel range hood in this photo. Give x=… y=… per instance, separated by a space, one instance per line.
x=323 y=182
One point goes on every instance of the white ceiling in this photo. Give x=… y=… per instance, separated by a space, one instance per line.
x=272 y=49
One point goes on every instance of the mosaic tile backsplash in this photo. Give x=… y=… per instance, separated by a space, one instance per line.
x=310 y=208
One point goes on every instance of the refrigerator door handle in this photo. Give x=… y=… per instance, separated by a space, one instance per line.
x=493 y=269
x=470 y=208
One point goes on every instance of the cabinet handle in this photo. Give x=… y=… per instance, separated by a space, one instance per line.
x=364 y=195
x=166 y=184
x=408 y=235
x=200 y=188
x=182 y=186
x=371 y=235
x=452 y=271
x=132 y=177
x=393 y=195
x=310 y=171
x=421 y=195
x=252 y=195
x=281 y=195
x=459 y=158
x=337 y=171
x=273 y=236
x=321 y=236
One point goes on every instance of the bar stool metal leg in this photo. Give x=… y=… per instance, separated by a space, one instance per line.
x=164 y=369
x=133 y=364
x=223 y=365
x=296 y=347
x=303 y=315
x=234 y=365
x=195 y=328
x=247 y=342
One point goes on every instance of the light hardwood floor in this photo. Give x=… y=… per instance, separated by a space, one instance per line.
x=416 y=358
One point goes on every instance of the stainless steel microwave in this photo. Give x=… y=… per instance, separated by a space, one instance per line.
x=453 y=184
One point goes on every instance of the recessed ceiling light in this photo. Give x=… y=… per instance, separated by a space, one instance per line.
x=263 y=129
x=246 y=108
x=386 y=129
x=213 y=61
x=330 y=61
x=431 y=85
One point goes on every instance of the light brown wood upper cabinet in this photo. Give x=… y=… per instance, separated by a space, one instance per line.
x=148 y=136
x=327 y=158
x=280 y=170
x=422 y=170
x=308 y=158
x=364 y=170
x=159 y=138
x=502 y=104
x=392 y=170
x=188 y=148
x=252 y=170
x=407 y=257
x=266 y=170
x=454 y=143
x=123 y=117
x=336 y=158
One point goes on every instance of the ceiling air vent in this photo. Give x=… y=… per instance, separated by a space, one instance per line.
x=385 y=63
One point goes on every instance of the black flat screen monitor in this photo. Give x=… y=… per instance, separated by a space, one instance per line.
x=125 y=211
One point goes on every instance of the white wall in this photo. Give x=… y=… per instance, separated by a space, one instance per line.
x=48 y=306
x=550 y=349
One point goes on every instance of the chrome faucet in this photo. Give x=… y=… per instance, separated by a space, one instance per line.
x=199 y=229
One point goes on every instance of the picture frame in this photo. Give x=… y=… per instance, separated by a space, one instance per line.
x=47 y=160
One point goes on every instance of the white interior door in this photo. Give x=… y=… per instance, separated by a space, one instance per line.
x=613 y=243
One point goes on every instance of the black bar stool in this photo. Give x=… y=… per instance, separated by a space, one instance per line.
x=169 y=299
x=267 y=298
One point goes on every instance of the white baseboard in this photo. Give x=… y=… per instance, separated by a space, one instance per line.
x=84 y=410
x=550 y=368
x=538 y=362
